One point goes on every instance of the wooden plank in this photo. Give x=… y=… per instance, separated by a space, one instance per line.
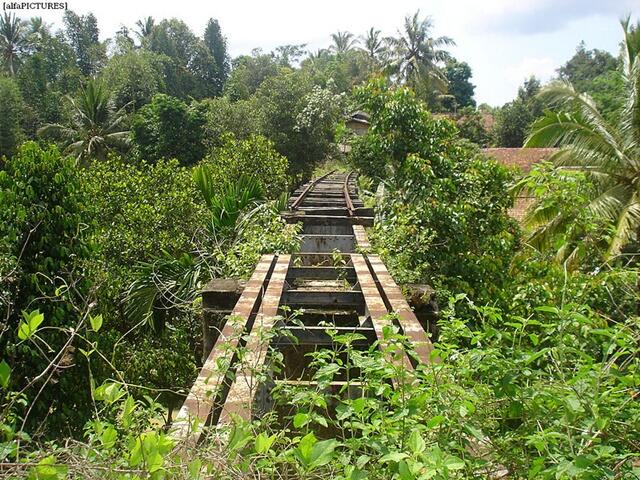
x=210 y=384
x=409 y=324
x=377 y=310
x=240 y=398
x=361 y=237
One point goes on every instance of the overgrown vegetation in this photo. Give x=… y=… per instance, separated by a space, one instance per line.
x=133 y=171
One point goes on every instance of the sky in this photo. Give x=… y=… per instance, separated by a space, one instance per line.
x=504 y=41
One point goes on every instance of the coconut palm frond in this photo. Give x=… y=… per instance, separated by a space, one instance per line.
x=96 y=129
x=608 y=155
x=626 y=226
x=160 y=286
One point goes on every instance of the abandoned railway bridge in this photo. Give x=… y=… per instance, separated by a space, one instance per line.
x=331 y=283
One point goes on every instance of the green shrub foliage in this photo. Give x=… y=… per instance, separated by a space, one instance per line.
x=43 y=241
x=254 y=157
x=169 y=128
x=442 y=218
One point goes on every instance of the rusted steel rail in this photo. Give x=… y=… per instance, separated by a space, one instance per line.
x=307 y=189
x=347 y=195
x=328 y=285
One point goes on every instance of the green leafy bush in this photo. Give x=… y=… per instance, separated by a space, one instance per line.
x=442 y=218
x=300 y=119
x=223 y=117
x=141 y=212
x=43 y=242
x=138 y=211
x=169 y=128
x=254 y=157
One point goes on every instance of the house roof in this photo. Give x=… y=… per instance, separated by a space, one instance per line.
x=521 y=158
x=359 y=117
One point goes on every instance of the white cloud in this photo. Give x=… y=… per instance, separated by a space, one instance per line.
x=542 y=68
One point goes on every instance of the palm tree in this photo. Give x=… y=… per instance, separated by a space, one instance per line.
x=373 y=43
x=38 y=27
x=12 y=40
x=37 y=34
x=418 y=56
x=145 y=27
x=343 y=42
x=96 y=129
x=609 y=155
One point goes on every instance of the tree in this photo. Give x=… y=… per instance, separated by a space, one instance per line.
x=339 y=72
x=123 y=41
x=45 y=76
x=471 y=126
x=514 y=119
x=343 y=41
x=459 y=88
x=43 y=241
x=192 y=70
x=248 y=73
x=418 y=57
x=585 y=65
x=224 y=116
x=608 y=91
x=12 y=40
x=299 y=118
x=289 y=55
x=607 y=154
x=82 y=34
x=169 y=128
x=442 y=212
x=373 y=43
x=134 y=78
x=216 y=43
x=145 y=28
x=96 y=127
x=11 y=116
x=37 y=30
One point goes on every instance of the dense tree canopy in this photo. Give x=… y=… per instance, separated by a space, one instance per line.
x=443 y=217
x=82 y=33
x=514 y=119
x=11 y=116
x=135 y=77
x=459 y=87
x=585 y=65
x=169 y=128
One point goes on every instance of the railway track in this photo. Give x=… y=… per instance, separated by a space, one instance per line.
x=330 y=283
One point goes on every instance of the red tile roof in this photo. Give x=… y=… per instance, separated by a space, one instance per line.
x=523 y=159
